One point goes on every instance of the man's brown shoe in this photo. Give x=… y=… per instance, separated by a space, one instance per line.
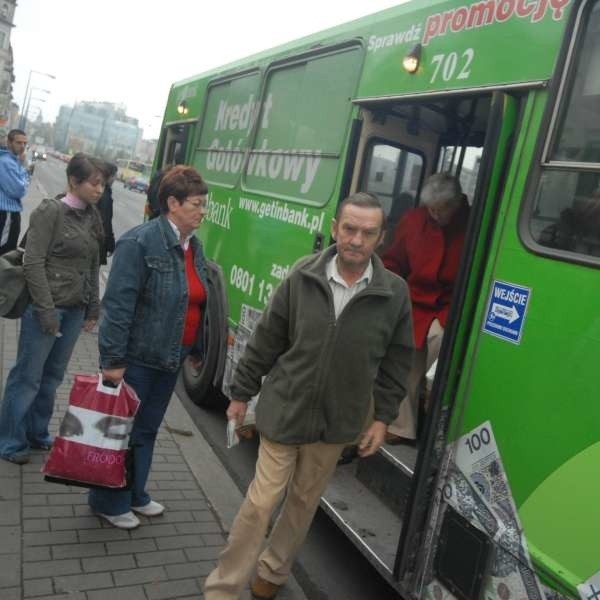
x=263 y=589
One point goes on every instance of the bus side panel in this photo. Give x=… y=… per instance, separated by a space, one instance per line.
x=525 y=440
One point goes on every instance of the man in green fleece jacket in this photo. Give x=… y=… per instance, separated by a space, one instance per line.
x=335 y=339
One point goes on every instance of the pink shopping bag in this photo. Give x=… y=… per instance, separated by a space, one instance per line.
x=91 y=448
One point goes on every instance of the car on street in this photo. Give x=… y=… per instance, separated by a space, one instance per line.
x=139 y=184
x=39 y=153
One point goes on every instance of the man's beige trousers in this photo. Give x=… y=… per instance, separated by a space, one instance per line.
x=301 y=473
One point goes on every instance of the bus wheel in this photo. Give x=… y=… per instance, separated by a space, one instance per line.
x=199 y=382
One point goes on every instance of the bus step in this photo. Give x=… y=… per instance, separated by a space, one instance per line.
x=369 y=524
x=388 y=474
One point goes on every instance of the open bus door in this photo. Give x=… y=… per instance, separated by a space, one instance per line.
x=381 y=502
x=412 y=565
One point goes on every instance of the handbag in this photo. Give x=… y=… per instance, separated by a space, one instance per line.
x=14 y=293
x=91 y=449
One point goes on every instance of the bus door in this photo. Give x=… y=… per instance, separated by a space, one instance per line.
x=174 y=145
x=402 y=143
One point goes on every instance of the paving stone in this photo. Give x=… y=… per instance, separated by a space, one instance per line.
x=10 y=511
x=37 y=587
x=49 y=537
x=11 y=488
x=204 y=553
x=31 y=525
x=163 y=557
x=197 y=528
x=43 y=512
x=177 y=485
x=140 y=575
x=33 y=553
x=73 y=498
x=154 y=530
x=108 y=563
x=211 y=539
x=74 y=595
x=83 y=522
x=134 y=592
x=164 y=495
x=172 y=589
x=10 y=540
x=181 y=516
x=10 y=573
x=203 y=515
x=187 y=505
x=8 y=469
x=185 y=570
x=163 y=466
x=131 y=546
x=69 y=566
x=80 y=583
x=34 y=499
x=78 y=550
x=193 y=494
x=13 y=593
x=109 y=534
x=180 y=541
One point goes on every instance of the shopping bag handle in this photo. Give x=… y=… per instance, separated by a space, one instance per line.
x=108 y=387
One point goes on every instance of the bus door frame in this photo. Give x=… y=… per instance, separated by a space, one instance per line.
x=496 y=159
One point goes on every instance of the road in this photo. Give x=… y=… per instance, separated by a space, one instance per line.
x=328 y=567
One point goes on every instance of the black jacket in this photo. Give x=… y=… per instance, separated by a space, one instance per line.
x=105 y=207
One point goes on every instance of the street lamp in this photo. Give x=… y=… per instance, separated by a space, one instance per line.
x=22 y=120
x=25 y=112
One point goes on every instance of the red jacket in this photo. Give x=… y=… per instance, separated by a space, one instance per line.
x=428 y=257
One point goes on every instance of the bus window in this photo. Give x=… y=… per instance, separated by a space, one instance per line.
x=229 y=118
x=465 y=161
x=176 y=144
x=393 y=174
x=303 y=125
x=566 y=209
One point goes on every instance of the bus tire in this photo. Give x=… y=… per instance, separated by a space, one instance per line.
x=200 y=383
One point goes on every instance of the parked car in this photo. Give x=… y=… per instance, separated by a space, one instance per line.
x=139 y=184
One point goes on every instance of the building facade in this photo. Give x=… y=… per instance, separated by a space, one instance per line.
x=7 y=77
x=100 y=128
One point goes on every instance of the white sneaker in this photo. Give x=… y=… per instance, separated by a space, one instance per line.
x=125 y=521
x=152 y=509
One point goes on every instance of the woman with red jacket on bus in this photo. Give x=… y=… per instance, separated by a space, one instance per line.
x=426 y=251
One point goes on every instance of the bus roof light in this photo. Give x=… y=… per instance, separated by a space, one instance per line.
x=411 y=61
x=182 y=108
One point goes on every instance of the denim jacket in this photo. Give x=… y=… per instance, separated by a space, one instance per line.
x=146 y=299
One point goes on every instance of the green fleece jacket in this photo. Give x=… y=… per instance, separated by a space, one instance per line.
x=321 y=373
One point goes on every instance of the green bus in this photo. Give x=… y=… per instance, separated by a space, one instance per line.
x=502 y=498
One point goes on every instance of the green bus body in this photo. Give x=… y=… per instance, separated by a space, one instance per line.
x=513 y=443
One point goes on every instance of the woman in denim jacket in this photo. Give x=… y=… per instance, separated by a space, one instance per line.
x=61 y=271
x=153 y=315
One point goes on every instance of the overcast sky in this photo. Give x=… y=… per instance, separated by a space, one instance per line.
x=130 y=51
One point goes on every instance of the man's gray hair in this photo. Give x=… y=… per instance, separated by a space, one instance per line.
x=441 y=188
x=363 y=199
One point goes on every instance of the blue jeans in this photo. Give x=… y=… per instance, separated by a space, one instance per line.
x=31 y=385
x=154 y=389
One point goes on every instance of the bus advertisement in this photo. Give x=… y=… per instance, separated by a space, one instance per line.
x=500 y=497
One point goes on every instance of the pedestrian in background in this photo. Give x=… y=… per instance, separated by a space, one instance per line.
x=426 y=251
x=61 y=270
x=153 y=314
x=13 y=186
x=335 y=339
x=105 y=207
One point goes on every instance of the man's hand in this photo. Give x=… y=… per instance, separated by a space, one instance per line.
x=113 y=375
x=372 y=439
x=236 y=411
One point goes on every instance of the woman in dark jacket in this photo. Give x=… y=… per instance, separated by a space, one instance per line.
x=61 y=270
x=152 y=319
x=105 y=207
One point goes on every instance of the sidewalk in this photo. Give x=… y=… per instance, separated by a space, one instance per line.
x=52 y=546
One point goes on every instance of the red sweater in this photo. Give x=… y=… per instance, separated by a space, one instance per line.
x=196 y=298
x=428 y=257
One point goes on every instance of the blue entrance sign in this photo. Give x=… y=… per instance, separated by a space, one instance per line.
x=505 y=314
